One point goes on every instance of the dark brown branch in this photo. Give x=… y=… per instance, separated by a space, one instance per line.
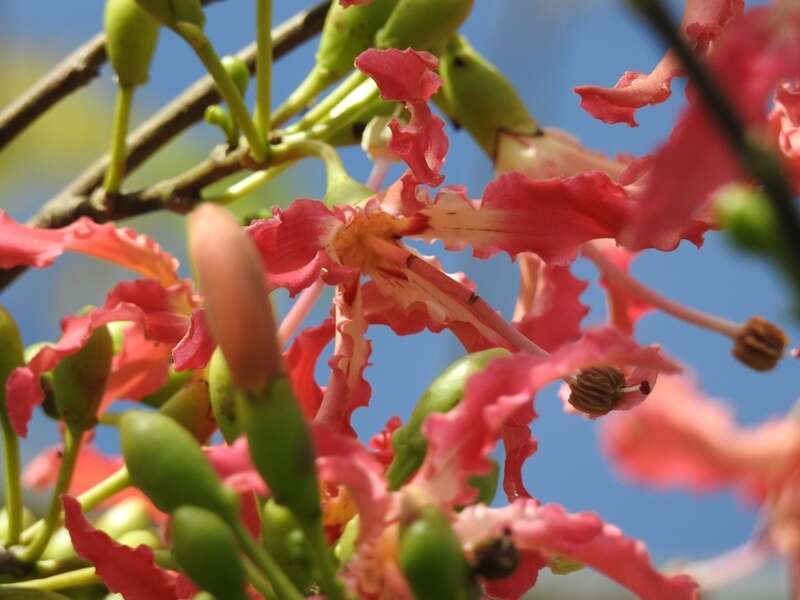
x=75 y=71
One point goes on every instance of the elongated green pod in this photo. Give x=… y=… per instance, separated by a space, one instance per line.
x=167 y=464
x=442 y=395
x=11 y=351
x=433 y=561
x=422 y=24
x=223 y=394
x=131 y=38
x=190 y=406
x=175 y=381
x=496 y=108
x=285 y=542
x=206 y=550
x=172 y=12
x=282 y=449
x=79 y=381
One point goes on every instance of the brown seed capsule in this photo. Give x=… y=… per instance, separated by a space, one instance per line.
x=596 y=390
x=760 y=344
x=495 y=558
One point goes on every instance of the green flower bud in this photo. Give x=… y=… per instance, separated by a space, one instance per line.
x=79 y=381
x=172 y=12
x=28 y=519
x=285 y=542
x=749 y=219
x=191 y=407
x=477 y=96
x=167 y=464
x=11 y=354
x=129 y=515
x=206 y=551
x=224 y=395
x=444 y=393
x=282 y=449
x=433 y=561
x=59 y=547
x=422 y=24
x=140 y=537
x=131 y=37
x=237 y=70
x=175 y=381
x=346 y=545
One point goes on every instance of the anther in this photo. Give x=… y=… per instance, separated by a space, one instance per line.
x=473 y=298
x=597 y=390
x=496 y=558
x=760 y=344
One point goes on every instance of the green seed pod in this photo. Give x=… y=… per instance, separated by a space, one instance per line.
x=444 y=393
x=59 y=547
x=422 y=24
x=172 y=12
x=191 y=407
x=175 y=381
x=749 y=219
x=433 y=561
x=206 y=551
x=223 y=394
x=282 y=449
x=79 y=381
x=485 y=115
x=131 y=37
x=11 y=353
x=285 y=542
x=237 y=70
x=167 y=464
x=129 y=515
x=140 y=537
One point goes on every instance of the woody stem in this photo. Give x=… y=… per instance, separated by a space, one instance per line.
x=677 y=310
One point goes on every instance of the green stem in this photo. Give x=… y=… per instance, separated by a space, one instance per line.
x=248 y=185
x=316 y=81
x=122 y=114
x=760 y=162
x=255 y=577
x=52 y=519
x=329 y=102
x=325 y=564
x=12 y=480
x=78 y=578
x=227 y=89
x=263 y=66
x=283 y=586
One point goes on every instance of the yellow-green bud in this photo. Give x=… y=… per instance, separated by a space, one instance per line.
x=131 y=37
x=422 y=24
x=172 y=12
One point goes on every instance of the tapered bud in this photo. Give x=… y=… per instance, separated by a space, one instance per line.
x=422 y=24
x=218 y=117
x=238 y=310
x=167 y=464
x=172 y=12
x=191 y=407
x=480 y=98
x=237 y=70
x=224 y=397
x=79 y=381
x=446 y=391
x=760 y=344
x=282 y=450
x=11 y=352
x=432 y=559
x=285 y=542
x=206 y=550
x=131 y=37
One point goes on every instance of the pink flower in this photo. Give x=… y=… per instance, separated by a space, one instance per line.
x=703 y=21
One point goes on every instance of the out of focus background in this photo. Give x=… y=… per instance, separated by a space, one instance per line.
x=546 y=48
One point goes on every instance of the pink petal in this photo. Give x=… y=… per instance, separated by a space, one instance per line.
x=21 y=245
x=680 y=437
x=292 y=245
x=408 y=76
x=551 y=218
x=549 y=310
x=301 y=362
x=146 y=303
x=624 y=308
x=343 y=460
x=128 y=571
x=348 y=3
x=347 y=389
x=381 y=442
x=785 y=123
x=139 y=369
x=234 y=467
x=703 y=21
x=196 y=347
x=583 y=537
x=760 y=49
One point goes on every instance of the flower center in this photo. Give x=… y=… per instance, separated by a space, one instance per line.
x=348 y=245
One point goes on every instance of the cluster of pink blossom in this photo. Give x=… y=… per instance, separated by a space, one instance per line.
x=551 y=202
